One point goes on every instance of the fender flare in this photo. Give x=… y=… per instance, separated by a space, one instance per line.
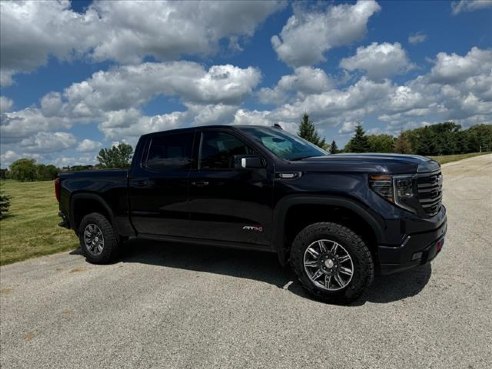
x=283 y=206
x=95 y=197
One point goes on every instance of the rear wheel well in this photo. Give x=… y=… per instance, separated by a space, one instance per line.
x=300 y=216
x=83 y=206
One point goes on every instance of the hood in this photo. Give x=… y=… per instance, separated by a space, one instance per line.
x=370 y=163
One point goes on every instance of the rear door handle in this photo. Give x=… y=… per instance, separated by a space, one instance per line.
x=200 y=183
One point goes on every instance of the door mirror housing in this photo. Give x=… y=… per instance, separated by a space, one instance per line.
x=248 y=162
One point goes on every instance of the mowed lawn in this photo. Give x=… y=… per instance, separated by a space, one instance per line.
x=443 y=159
x=31 y=226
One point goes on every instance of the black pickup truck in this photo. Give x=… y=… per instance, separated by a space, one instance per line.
x=338 y=219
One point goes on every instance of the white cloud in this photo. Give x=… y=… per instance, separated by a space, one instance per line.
x=304 y=81
x=469 y=5
x=122 y=31
x=5 y=104
x=132 y=86
x=87 y=145
x=44 y=142
x=167 y=30
x=417 y=38
x=8 y=157
x=51 y=104
x=18 y=125
x=454 y=68
x=348 y=127
x=33 y=30
x=308 y=35
x=379 y=60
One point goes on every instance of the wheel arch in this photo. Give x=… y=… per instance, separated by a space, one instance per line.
x=82 y=204
x=296 y=212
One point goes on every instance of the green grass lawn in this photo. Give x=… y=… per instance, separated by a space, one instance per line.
x=443 y=159
x=31 y=226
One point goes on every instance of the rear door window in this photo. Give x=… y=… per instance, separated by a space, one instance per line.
x=173 y=151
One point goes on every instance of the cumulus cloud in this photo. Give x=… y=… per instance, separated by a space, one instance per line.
x=44 y=142
x=308 y=35
x=18 y=125
x=33 y=30
x=379 y=60
x=5 y=104
x=304 y=81
x=132 y=86
x=469 y=5
x=122 y=31
x=87 y=145
x=453 y=68
x=348 y=127
x=417 y=38
x=113 y=98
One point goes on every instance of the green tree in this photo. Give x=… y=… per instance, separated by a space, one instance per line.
x=381 y=143
x=307 y=130
x=479 y=138
x=4 y=202
x=333 y=147
x=23 y=170
x=46 y=172
x=116 y=156
x=359 y=142
x=402 y=144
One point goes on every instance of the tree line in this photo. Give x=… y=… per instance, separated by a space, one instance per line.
x=437 y=139
x=28 y=170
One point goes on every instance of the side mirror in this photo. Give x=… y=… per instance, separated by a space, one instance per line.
x=248 y=162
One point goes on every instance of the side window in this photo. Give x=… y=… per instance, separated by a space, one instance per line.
x=218 y=150
x=170 y=151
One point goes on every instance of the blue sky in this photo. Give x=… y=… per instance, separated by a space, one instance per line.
x=79 y=76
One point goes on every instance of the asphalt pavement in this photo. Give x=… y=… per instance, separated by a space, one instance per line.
x=180 y=306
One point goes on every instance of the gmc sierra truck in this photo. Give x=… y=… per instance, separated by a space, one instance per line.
x=337 y=219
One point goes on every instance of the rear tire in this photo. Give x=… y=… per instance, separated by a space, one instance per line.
x=332 y=262
x=98 y=240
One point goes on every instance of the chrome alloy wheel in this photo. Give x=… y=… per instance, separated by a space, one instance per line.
x=93 y=239
x=328 y=265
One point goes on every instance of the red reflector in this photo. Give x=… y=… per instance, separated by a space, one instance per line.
x=439 y=245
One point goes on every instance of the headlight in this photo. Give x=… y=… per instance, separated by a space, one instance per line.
x=400 y=190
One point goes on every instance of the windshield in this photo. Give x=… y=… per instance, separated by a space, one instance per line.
x=283 y=144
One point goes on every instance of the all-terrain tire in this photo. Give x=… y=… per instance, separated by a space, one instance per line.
x=98 y=240
x=352 y=244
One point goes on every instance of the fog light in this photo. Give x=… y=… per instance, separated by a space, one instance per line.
x=417 y=256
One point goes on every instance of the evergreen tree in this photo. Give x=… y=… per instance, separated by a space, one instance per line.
x=307 y=130
x=4 y=202
x=333 y=147
x=359 y=142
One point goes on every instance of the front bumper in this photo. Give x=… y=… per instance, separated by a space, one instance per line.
x=417 y=249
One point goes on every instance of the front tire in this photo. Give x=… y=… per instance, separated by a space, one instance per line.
x=98 y=240
x=332 y=262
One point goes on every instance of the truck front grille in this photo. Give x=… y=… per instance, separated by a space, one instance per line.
x=429 y=187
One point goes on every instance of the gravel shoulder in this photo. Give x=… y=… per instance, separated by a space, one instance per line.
x=180 y=306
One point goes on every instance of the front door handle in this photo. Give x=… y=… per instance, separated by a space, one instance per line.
x=200 y=183
x=141 y=183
